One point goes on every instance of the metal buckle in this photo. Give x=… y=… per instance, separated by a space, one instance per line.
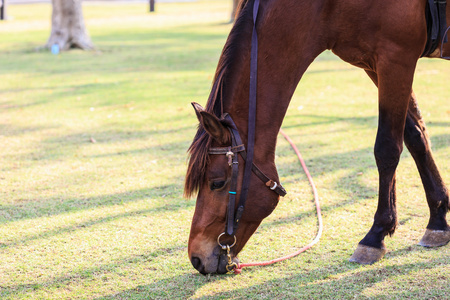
x=275 y=184
x=230 y=155
x=231 y=264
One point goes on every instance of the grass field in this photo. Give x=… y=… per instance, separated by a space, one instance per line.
x=93 y=157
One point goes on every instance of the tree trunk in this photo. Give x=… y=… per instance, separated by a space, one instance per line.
x=2 y=9
x=68 y=30
x=233 y=12
x=152 y=5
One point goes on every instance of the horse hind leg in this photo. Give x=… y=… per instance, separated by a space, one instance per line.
x=418 y=143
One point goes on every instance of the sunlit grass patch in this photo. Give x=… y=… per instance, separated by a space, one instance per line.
x=93 y=157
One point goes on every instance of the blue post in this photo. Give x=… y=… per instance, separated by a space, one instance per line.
x=55 y=49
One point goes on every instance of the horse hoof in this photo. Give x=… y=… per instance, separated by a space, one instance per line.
x=435 y=238
x=366 y=255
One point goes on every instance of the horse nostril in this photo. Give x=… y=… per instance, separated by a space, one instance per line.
x=196 y=262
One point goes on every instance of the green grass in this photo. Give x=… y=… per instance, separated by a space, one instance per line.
x=93 y=155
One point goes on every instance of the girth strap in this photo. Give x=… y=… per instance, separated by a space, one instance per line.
x=442 y=19
x=436 y=26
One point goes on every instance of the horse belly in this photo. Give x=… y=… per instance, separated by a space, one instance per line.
x=370 y=30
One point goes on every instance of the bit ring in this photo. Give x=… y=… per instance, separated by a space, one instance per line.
x=222 y=246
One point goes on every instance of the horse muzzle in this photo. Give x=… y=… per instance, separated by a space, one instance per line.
x=220 y=263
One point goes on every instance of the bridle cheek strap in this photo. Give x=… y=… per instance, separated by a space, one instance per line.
x=233 y=184
x=237 y=147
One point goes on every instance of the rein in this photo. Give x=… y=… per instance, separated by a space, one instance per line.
x=251 y=120
x=233 y=217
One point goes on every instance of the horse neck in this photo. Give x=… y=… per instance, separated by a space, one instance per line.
x=282 y=60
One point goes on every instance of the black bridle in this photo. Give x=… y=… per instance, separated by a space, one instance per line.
x=237 y=147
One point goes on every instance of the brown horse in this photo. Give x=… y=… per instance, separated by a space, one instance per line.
x=385 y=38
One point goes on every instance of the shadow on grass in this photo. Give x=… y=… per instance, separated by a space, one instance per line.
x=14 y=131
x=10 y=105
x=439 y=142
x=68 y=146
x=343 y=280
x=56 y=206
x=338 y=280
x=335 y=284
x=328 y=119
x=356 y=162
x=177 y=287
x=23 y=239
x=75 y=277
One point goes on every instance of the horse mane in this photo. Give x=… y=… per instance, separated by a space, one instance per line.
x=198 y=150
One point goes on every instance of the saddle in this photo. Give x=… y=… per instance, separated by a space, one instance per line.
x=436 y=25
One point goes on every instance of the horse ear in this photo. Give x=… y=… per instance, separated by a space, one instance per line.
x=214 y=127
x=198 y=109
x=212 y=124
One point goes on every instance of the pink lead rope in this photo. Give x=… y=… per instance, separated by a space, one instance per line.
x=239 y=268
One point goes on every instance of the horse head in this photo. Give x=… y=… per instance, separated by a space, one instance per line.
x=211 y=248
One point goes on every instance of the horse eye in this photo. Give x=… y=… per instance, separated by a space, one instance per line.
x=215 y=185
